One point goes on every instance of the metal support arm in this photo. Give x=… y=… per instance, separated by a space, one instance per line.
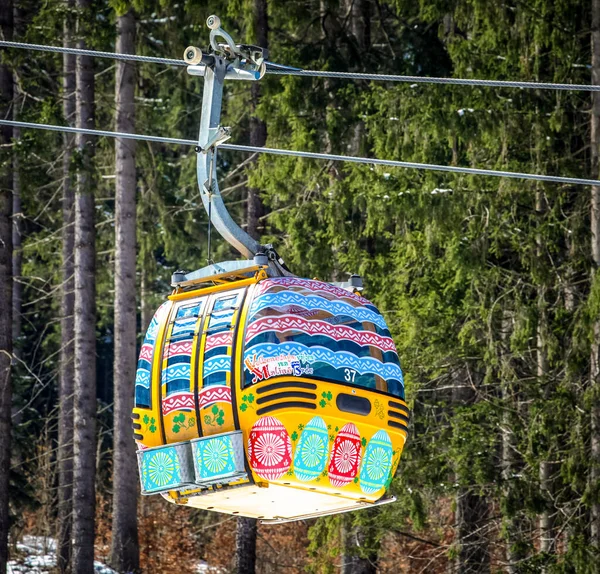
x=237 y=62
x=209 y=186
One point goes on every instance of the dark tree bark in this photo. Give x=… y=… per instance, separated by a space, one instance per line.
x=258 y=128
x=6 y=96
x=124 y=548
x=546 y=474
x=512 y=464
x=472 y=509
x=245 y=546
x=245 y=560
x=472 y=512
x=67 y=370
x=595 y=231
x=84 y=467
x=17 y=252
x=354 y=540
x=17 y=214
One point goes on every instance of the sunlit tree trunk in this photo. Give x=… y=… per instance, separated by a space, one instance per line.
x=595 y=232
x=66 y=373
x=124 y=548
x=6 y=96
x=84 y=467
x=258 y=128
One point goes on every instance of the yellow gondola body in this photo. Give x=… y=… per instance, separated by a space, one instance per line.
x=274 y=398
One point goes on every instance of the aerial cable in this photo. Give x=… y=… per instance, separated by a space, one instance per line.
x=313 y=155
x=93 y=53
x=280 y=70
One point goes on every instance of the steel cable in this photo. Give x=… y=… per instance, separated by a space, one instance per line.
x=81 y=52
x=276 y=69
x=313 y=155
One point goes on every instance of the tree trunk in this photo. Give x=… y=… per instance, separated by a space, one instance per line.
x=6 y=96
x=546 y=473
x=595 y=229
x=17 y=252
x=84 y=468
x=353 y=540
x=472 y=508
x=258 y=128
x=66 y=369
x=511 y=462
x=124 y=553
x=245 y=546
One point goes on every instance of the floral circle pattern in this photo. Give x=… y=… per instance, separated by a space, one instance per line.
x=314 y=450
x=269 y=448
x=377 y=465
x=310 y=457
x=345 y=456
x=215 y=456
x=161 y=469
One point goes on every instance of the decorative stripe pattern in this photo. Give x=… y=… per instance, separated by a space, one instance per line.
x=214 y=394
x=178 y=355
x=220 y=363
x=176 y=372
x=183 y=401
x=338 y=360
x=146 y=352
x=144 y=367
x=218 y=340
x=311 y=285
x=301 y=304
x=336 y=332
x=183 y=327
x=179 y=349
x=142 y=378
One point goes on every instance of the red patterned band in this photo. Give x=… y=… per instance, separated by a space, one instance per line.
x=178 y=402
x=335 y=332
x=214 y=394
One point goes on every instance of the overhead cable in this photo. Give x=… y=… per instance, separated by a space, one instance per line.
x=279 y=70
x=312 y=155
x=94 y=53
x=432 y=80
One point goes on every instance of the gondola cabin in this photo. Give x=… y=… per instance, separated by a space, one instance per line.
x=274 y=398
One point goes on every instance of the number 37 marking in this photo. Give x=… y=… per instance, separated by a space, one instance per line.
x=349 y=375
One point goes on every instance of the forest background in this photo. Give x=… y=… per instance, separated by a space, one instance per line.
x=489 y=285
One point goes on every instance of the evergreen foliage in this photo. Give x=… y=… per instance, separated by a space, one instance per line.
x=477 y=277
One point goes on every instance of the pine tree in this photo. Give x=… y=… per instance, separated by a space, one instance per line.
x=84 y=468
x=595 y=249
x=6 y=202
x=124 y=547
x=66 y=365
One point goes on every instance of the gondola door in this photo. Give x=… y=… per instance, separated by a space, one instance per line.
x=177 y=378
x=215 y=377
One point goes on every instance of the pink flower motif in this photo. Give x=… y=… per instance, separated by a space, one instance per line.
x=269 y=449
x=346 y=456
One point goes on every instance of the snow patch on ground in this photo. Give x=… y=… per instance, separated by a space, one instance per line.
x=38 y=557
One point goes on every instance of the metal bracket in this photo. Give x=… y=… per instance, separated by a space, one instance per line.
x=238 y=62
